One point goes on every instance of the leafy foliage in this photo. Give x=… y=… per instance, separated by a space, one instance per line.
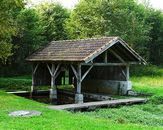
x=23 y=30
x=124 y=18
x=8 y=26
x=52 y=20
x=5 y=51
x=36 y=27
x=155 y=45
x=86 y=20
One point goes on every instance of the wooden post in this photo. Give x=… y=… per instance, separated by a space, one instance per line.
x=34 y=68
x=52 y=76
x=31 y=92
x=78 y=95
x=53 y=90
x=79 y=80
x=127 y=73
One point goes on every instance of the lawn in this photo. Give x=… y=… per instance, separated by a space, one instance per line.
x=15 y=83
x=146 y=116
x=51 y=119
x=150 y=114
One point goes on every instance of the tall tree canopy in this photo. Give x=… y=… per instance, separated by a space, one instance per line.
x=8 y=25
x=155 y=44
x=36 y=26
x=124 y=18
x=25 y=29
x=52 y=19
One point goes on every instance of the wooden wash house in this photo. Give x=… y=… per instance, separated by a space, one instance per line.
x=96 y=65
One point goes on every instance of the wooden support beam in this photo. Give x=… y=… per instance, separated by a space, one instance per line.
x=54 y=73
x=116 y=55
x=104 y=64
x=127 y=72
x=127 y=54
x=56 y=70
x=57 y=74
x=79 y=79
x=78 y=95
x=52 y=76
x=49 y=69
x=132 y=51
x=73 y=69
x=34 y=69
x=85 y=74
x=124 y=74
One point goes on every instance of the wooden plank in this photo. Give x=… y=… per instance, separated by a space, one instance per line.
x=107 y=103
x=104 y=64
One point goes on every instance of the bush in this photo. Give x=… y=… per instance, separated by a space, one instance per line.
x=148 y=70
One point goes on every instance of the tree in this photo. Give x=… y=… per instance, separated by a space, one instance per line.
x=86 y=20
x=124 y=18
x=36 y=27
x=155 y=44
x=29 y=37
x=8 y=26
x=52 y=19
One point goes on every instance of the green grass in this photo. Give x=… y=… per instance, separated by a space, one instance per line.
x=52 y=119
x=23 y=83
x=18 y=83
x=15 y=83
x=150 y=114
x=137 y=117
x=148 y=84
x=147 y=114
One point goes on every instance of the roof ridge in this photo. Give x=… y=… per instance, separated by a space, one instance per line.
x=102 y=47
x=86 y=39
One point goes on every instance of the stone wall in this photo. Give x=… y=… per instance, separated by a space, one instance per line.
x=107 y=86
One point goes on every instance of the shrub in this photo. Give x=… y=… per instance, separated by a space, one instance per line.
x=149 y=70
